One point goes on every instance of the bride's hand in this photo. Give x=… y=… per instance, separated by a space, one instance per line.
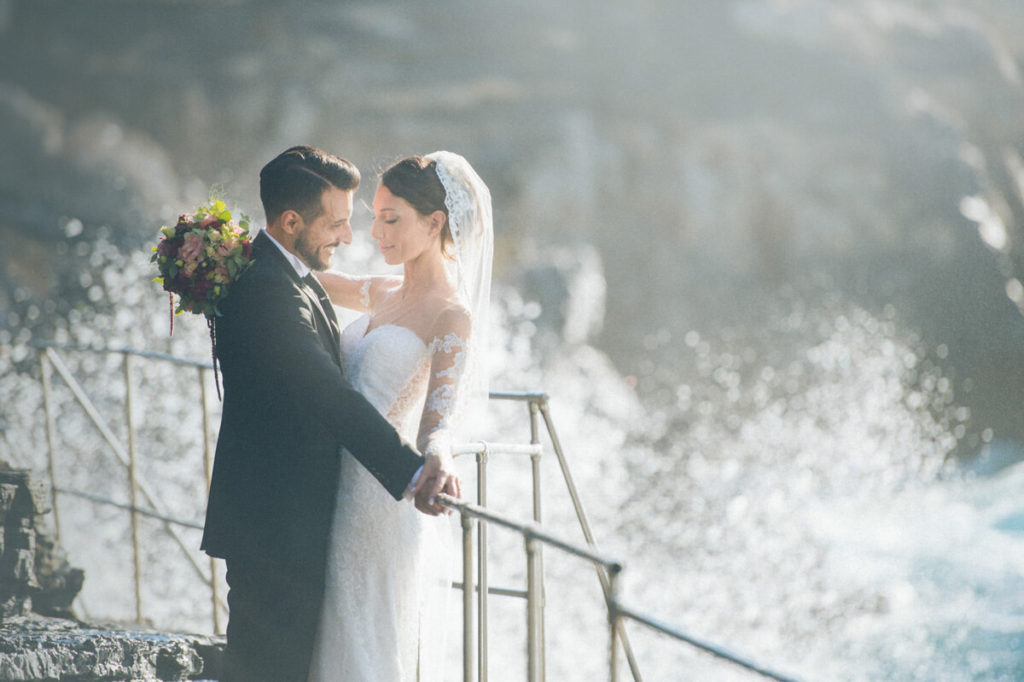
x=453 y=487
x=438 y=476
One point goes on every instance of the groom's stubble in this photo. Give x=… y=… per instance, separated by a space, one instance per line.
x=317 y=239
x=317 y=258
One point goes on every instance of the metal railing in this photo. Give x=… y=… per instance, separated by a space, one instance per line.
x=51 y=361
x=533 y=536
x=539 y=409
x=475 y=614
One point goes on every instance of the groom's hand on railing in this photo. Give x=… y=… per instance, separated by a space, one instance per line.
x=438 y=476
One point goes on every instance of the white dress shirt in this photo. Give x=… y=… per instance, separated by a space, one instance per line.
x=301 y=268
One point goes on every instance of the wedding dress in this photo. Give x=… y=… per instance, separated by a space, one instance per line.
x=390 y=568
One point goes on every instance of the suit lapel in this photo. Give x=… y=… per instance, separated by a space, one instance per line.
x=328 y=321
x=324 y=305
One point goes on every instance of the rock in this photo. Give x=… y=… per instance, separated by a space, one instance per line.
x=37 y=649
x=36 y=576
x=570 y=287
x=34 y=572
x=59 y=581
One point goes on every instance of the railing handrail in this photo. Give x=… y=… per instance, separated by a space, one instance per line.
x=483 y=447
x=529 y=530
x=532 y=532
x=142 y=511
x=124 y=350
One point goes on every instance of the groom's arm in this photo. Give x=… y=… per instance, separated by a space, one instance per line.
x=275 y=326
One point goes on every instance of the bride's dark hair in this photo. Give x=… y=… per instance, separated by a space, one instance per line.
x=415 y=180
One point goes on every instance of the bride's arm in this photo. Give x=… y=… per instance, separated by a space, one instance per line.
x=447 y=364
x=347 y=291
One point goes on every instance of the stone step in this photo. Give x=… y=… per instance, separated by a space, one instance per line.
x=37 y=649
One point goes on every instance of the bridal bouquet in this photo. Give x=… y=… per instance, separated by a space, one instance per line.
x=200 y=256
x=198 y=259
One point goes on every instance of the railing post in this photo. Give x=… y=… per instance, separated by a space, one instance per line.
x=207 y=473
x=613 y=622
x=534 y=644
x=481 y=497
x=51 y=438
x=535 y=470
x=535 y=460
x=585 y=527
x=133 y=496
x=467 y=596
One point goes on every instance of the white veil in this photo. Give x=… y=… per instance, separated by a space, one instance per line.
x=470 y=220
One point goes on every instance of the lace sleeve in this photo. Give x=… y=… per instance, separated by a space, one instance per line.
x=364 y=293
x=447 y=368
x=348 y=291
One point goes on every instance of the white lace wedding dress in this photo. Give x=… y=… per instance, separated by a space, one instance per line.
x=389 y=567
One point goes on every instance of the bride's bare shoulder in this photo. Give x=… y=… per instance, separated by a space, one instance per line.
x=453 y=318
x=378 y=287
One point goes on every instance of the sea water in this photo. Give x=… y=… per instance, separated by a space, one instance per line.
x=790 y=491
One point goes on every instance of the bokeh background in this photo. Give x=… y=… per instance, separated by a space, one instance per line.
x=765 y=255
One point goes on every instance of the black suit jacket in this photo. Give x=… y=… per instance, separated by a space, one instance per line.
x=288 y=412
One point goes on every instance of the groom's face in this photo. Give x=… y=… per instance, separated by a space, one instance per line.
x=316 y=241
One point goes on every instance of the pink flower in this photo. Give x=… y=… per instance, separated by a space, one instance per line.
x=209 y=221
x=226 y=247
x=192 y=249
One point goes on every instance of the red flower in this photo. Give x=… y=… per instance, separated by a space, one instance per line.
x=166 y=248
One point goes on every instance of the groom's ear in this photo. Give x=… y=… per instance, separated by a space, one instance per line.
x=291 y=222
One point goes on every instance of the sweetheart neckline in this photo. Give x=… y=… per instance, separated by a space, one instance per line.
x=366 y=334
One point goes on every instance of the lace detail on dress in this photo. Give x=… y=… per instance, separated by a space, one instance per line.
x=441 y=402
x=408 y=403
x=446 y=346
x=364 y=294
x=448 y=363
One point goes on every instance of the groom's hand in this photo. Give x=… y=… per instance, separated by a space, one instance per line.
x=438 y=476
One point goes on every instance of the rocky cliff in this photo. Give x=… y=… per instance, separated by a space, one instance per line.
x=714 y=153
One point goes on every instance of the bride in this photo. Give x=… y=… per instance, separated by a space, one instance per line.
x=415 y=354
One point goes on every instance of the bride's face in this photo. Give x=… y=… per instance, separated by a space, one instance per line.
x=401 y=232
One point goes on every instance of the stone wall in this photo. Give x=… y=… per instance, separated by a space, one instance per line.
x=40 y=640
x=33 y=570
x=38 y=649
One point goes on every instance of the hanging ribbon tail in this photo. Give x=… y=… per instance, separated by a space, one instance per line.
x=171 y=295
x=213 y=353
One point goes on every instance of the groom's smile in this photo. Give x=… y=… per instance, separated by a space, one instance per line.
x=316 y=242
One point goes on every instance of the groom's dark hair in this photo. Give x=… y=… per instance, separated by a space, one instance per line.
x=297 y=178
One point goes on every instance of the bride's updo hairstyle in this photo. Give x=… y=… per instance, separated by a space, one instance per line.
x=415 y=180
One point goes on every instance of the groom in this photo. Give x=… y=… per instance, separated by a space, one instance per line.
x=288 y=412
